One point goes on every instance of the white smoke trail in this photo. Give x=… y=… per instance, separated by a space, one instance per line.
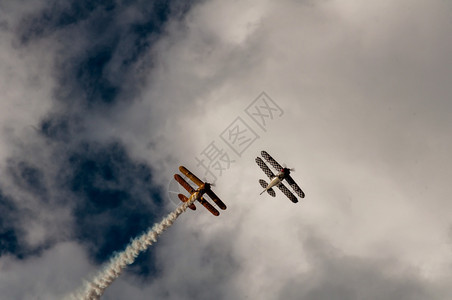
x=95 y=289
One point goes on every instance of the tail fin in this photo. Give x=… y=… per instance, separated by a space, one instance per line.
x=263 y=184
x=271 y=192
x=185 y=199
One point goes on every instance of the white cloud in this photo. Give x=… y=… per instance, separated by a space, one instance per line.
x=365 y=92
x=52 y=275
x=366 y=102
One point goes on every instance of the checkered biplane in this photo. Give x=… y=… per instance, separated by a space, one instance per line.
x=277 y=180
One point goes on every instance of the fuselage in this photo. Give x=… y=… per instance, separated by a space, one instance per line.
x=202 y=190
x=278 y=178
x=274 y=182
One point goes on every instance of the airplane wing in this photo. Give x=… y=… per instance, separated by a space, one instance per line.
x=209 y=207
x=191 y=176
x=184 y=184
x=286 y=192
x=264 y=168
x=185 y=199
x=295 y=186
x=215 y=199
x=271 y=160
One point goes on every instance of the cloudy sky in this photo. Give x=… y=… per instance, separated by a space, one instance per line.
x=101 y=101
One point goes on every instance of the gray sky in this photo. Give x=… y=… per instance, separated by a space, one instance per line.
x=367 y=112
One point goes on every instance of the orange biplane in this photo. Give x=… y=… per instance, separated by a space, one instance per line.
x=203 y=188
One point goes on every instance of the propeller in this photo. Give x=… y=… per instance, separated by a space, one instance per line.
x=204 y=179
x=290 y=169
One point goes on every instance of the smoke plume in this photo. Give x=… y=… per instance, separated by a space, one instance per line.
x=96 y=288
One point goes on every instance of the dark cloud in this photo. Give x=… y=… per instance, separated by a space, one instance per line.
x=30 y=180
x=8 y=232
x=100 y=44
x=98 y=47
x=60 y=14
x=115 y=198
x=352 y=86
x=61 y=127
x=28 y=177
x=12 y=240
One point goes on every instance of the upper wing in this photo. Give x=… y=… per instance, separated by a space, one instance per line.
x=264 y=168
x=286 y=192
x=183 y=183
x=271 y=160
x=295 y=186
x=215 y=199
x=191 y=175
x=209 y=207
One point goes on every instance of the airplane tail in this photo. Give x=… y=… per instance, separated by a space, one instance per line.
x=271 y=192
x=264 y=185
x=185 y=199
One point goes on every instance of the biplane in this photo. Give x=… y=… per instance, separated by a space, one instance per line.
x=277 y=180
x=203 y=188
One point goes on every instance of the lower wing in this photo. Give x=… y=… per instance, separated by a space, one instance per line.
x=288 y=194
x=209 y=207
x=215 y=199
x=295 y=187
